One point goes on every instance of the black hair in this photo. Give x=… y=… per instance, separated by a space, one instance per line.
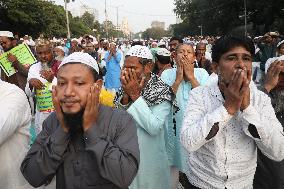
x=137 y=43
x=176 y=39
x=228 y=42
x=163 y=59
x=95 y=74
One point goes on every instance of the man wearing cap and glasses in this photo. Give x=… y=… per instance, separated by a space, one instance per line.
x=85 y=144
x=19 y=78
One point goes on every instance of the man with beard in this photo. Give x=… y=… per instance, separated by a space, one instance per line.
x=85 y=144
x=90 y=49
x=269 y=173
x=40 y=79
x=59 y=53
x=19 y=78
x=148 y=99
x=227 y=121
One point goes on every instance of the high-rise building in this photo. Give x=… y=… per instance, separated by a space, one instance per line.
x=84 y=8
x=157 y=24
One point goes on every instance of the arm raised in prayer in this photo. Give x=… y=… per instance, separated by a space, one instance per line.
x=117 y=156
x=46 y=154
x=199 y=125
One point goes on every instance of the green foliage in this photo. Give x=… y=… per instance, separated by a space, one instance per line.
x=34 y=17
x=219 y=17
x=155 y=33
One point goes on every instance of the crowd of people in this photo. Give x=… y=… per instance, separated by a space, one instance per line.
x=198 y=113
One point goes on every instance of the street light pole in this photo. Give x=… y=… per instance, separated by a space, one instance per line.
x=245 y=6
x=67 y=20
x=200 y=30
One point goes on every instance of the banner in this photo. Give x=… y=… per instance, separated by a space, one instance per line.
x=23 y=54
x=44 y=99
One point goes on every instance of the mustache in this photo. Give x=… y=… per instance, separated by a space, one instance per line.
x=69 y=100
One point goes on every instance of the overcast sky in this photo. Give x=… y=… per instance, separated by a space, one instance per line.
x=140 y=13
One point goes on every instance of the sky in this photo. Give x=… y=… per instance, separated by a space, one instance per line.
x=140 y=13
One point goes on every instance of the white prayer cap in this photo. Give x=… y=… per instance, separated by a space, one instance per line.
x=280 y=43
x=140 y=51
x=161 y=43
x=163 y=52
x=75 y=39
x=83 y=58
x=6 y=34
x=59 y=47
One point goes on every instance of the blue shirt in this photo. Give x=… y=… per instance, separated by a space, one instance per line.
x=176 y=153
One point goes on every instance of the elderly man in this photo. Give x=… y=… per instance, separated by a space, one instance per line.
x=269 y=173
x=182 y=79
x=148 y=99
x=85 y=144
x=59 y=53
x=40 y=79
x=112 y=59
x=19 y=78
x=226 y=122
x=15 y=121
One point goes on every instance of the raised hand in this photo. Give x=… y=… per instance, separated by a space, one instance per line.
x=58 y=110
x=36 y=83
x=92 y=107
x=130 y=84
x=272 y=76
x=235 y=91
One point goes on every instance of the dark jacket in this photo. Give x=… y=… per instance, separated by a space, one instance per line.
x=106 y=156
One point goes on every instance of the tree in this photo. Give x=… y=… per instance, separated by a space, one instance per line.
x=155 y=33
x=219 y=17
x=88 y=19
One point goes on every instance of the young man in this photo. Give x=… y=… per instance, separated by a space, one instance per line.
x=182 y=79
x=148 y=99
x=85 y=144
x=226 y=122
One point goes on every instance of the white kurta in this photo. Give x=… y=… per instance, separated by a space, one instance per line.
x=15 y=121
x=34 y=72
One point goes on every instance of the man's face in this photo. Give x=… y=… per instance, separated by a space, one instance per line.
x=74 y=43
x=74 y=82
x=44 y=53
x=173 y=45
x=6 y=43
x=58 y=52
x=201 y=48
x=281 y=49
x=268 y=39
x=185 y=52
x=112 y=47
x=89 y=48
x=132 y=62
x=236 y=58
